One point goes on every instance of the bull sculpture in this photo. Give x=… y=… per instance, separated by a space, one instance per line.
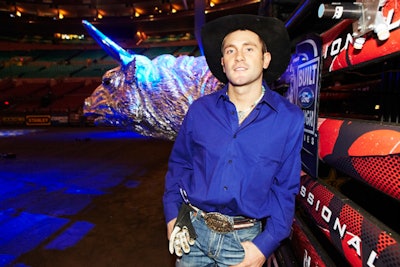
x=151 y=97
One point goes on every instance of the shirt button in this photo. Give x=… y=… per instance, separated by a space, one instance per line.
x=230 y=161
x=225 y=188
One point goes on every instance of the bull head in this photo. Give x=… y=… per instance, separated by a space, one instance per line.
x=149 y=96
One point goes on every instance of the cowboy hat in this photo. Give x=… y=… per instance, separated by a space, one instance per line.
x=271 y=30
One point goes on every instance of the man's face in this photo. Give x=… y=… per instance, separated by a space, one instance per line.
x=243 y=60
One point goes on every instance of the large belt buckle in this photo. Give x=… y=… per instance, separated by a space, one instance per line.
x=218 y=222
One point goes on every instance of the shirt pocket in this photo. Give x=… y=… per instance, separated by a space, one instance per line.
x=265 y=170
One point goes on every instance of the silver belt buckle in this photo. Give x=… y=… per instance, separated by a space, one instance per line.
x=218 y=222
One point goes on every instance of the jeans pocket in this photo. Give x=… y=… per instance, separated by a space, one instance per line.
x=248 y=234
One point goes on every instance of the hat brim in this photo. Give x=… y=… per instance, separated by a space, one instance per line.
x=270 y=29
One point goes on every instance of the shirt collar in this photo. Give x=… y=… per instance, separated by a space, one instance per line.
x=269 y=98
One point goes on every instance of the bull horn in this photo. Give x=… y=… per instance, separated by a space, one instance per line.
x=114 y=50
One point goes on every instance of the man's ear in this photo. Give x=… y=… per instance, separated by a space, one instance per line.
x=267 y=60
x=222 y=64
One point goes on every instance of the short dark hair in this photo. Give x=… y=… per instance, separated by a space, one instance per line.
x=263 y=44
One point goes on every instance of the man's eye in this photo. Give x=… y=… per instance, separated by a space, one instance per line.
x=106 y=81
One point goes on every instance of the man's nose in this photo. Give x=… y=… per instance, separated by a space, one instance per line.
x=239 y=56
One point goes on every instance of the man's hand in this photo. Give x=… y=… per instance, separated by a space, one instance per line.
x=170 y=227
x=253 y=257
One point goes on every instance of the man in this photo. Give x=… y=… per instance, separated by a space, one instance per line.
x=235 y=166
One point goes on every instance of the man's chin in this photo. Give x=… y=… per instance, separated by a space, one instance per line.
x=239 y=80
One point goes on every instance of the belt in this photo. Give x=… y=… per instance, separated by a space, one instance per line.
x=222 y=223
x=243 y=222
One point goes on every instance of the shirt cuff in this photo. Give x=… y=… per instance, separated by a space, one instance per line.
x=171 y=211
x=266 y=243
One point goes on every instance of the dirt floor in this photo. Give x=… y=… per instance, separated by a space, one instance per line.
x=82 y=197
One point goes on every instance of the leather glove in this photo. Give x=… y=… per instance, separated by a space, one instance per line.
x=180 y=241
x=183 y=234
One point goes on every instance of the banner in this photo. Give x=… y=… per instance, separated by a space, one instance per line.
x=38 y=120
x=356 y=234
x=303 y=76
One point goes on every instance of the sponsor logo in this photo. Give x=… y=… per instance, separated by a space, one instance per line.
x=339 y=228
x=38 y=120
x=306 y=97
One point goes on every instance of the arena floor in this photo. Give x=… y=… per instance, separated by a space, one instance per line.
x=93 y=197
x=82 y=197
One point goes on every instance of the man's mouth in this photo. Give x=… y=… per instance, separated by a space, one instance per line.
x=240 y=68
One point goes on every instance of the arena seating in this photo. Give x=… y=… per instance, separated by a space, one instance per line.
x=47 y=81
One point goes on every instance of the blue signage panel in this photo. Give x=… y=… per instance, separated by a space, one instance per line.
x=303 y=76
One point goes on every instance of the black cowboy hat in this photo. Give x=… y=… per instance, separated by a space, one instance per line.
x=270 y=29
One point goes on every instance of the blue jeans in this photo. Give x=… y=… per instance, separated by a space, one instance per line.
x=213 y=249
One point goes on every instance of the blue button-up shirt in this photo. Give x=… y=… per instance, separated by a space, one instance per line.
x=251 y=169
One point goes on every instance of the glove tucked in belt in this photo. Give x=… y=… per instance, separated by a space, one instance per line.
x=183 y=234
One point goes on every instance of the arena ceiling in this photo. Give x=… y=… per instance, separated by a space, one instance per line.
x=124 y=18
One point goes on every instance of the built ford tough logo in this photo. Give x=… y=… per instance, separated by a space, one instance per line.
x=306 y=97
